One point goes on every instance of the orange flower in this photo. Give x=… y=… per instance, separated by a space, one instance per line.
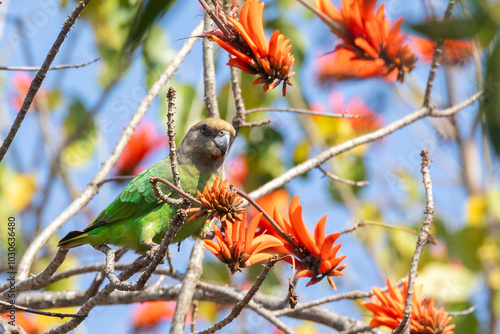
x=369 y=35
x=387 y=309
x=219 y=201
x=455 y=51
x=143 y=141
x=368 y=120
x=149 y=314
x=245 y=40
x=316 y=257
x=344 y=64
x=239 y=248
x=22 y=83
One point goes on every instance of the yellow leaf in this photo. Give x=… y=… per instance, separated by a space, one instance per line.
x=19 y=190
x=476 y=208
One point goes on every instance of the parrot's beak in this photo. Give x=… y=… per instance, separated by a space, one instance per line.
x=222 y=142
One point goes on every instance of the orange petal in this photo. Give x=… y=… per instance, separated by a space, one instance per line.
x=319 y=232
x=305 y=273
x=303 y=233
x=250 y=233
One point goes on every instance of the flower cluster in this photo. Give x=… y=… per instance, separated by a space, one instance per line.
x=388 y=308
x=316 y=257
x=238 y=246
x=368 y=41
x=219 y=201
x=244 y=39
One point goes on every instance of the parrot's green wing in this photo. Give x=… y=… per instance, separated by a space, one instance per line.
x=136 y=199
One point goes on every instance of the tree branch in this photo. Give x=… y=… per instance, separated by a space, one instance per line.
x=404 y=326
x=302 y=111
x=40 y=76
x=57 y=67
x=350 y=144
x=192 y=276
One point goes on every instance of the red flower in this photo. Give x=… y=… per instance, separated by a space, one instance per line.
x=246 y=41
x=239 y=248
x=143 y=141
x=387 y=309
x=455 y=51
x=22 y=83
x=370 y=37
x=149 y=314
x=316 y=257
x=344 y=64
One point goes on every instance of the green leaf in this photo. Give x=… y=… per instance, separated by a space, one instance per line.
x=452 y=29
x=215 y=272
x=149 y=12
x=491 y=105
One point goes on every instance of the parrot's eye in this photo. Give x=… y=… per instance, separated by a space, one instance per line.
x=221 y=133
x=203 y=129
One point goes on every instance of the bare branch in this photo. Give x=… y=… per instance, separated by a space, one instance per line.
x=193 y=274
x=244 y=302
x=48 y=314
x=436 y=59
x=339 y=179
x=404 y=326
x=210 y=93
x=92 y=188
x=35 y=281
x=40 y=76
x=155 y=179
x=171 y=137
x=302 y=111
x=464 y=312
x=267 y=216
x=57 y=67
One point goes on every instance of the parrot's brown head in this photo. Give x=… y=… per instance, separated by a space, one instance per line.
x=206 y=144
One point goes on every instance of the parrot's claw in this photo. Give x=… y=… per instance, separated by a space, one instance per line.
x=153 y=249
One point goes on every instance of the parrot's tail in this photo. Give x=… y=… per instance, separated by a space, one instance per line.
x=73 y=239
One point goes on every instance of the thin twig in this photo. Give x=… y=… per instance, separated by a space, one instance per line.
x=92 y=188
x=155 y=179
x=351 y=295
x=210 y=12
x=116 y=178
x=57 y=67
x=267 y=216
x=436 y=58
x=32 y=310
x=339 y=179
x=210 y=92
x=240 y=117
x=464 y=312
x=302 y=111
x=404 y=326
x=171 y=137
x=244 y=302
x=40 y=76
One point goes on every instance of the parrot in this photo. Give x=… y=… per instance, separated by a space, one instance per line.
x=136 y=219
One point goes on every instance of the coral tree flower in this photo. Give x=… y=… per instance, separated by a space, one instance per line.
x=244 y=39
x=219 y=201
x=371 y=38
x=143 y=141
x=239 y=248
x=149 y=314
x=388 y=310
x=316 y=257
x=455 y=51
